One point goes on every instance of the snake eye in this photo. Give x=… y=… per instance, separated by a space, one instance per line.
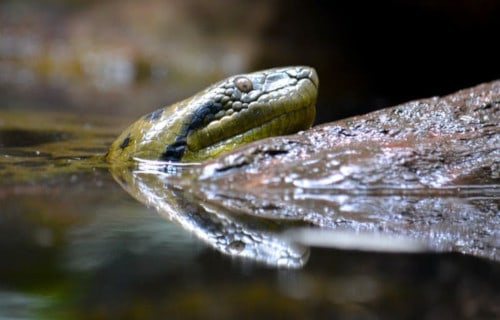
x=243 y=84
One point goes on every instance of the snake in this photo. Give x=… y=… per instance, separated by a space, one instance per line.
x=226 y=115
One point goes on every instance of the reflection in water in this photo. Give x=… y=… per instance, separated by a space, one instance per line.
x=109 y=237
x=463 y=219
x=271 y=225
x=236 y=235
x=20 y=305
x=360 y=221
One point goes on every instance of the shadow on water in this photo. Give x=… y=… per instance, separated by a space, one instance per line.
x=75 y=245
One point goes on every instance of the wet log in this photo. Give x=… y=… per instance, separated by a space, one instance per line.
x=437 y=142
x=427 y=169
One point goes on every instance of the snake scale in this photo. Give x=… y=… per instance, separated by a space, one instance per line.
x=228 y=114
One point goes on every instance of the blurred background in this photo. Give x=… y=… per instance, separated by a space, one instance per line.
x=76 y=246
x=130 y=57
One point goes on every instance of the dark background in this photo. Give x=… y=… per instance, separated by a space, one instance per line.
x=379 y=53
x=368 y=54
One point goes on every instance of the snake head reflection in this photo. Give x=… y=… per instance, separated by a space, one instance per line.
x=236 y=235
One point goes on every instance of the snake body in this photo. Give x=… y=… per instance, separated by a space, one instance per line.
x=224 y=116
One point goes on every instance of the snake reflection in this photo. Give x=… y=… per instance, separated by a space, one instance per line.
x=237 y=235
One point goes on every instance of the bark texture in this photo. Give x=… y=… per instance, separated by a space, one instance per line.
x=427 y=169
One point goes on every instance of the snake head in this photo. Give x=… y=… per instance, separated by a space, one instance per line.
x=233 y=112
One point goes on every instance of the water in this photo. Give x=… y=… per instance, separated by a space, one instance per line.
x=76 y=245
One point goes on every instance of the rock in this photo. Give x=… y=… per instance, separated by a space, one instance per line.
x=426 y=170
x=436 y=142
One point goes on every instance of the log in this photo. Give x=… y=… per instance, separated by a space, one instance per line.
x=426 y=170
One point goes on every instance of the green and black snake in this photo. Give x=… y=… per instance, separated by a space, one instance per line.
x=233 y=112
x=230 y=113
x=226 y=115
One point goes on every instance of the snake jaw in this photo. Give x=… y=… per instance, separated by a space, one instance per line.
x=224 y=116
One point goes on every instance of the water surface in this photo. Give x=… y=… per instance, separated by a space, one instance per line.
x=76 y=245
